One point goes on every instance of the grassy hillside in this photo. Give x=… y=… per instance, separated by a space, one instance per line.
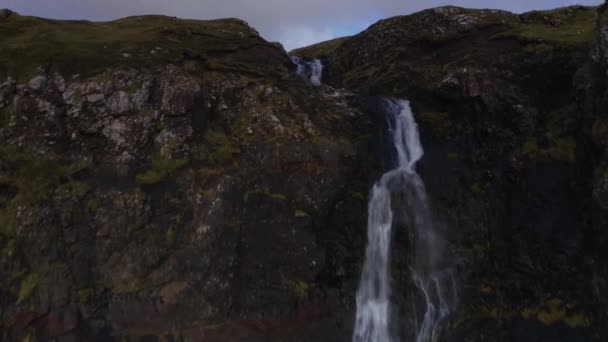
x=73 y=47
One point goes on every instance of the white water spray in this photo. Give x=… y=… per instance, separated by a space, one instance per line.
x=435 y=282
x=310 y=69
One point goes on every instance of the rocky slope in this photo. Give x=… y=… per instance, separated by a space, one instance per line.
x=167 y=179
x=171 y=179
x=511 y=110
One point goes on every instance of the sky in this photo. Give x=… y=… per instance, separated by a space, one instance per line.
x=293 y=23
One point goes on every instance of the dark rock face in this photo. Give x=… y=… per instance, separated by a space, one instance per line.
x=510 y=115
x=214 y=196
x=594 y=98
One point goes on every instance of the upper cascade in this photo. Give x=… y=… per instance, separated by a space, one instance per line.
x=311 y=69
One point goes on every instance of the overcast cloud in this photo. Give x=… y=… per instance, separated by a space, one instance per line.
x=293 y=23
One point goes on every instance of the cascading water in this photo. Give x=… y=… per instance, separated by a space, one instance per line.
x=310 y=69
x=430 y=276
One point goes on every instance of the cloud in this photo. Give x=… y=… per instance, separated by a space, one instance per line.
x=293 y=23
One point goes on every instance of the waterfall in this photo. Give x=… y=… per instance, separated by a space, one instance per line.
x=311 y=69
x=434 y=282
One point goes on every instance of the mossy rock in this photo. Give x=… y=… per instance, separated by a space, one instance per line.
x=301 y=214
x=217 y=150
x=264 y=192
x=27 y=287
x=160 y=170
x=438 y=122
x=34 y=178
x=556 y=311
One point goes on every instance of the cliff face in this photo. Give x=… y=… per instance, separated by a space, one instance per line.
x=510 y=109
x=172 y=179
x=594 y=99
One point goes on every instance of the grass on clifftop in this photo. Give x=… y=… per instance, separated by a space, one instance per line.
x=568 y=27
x=319 y=49
x=73 y=47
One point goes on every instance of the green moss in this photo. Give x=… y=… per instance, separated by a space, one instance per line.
x=9 y=249
x=357 y=195
x=83 y=296
x=34 y=178
x=438 y=122
x=563 y=149
x=160 y=170
x=217 y=149
x=170 y=237
x=8 y=222
x=453 y=156
x=554 y=137
x=298 y=288
x=5 y=117
x=93 y=204
x=301 y=213
x=556 y=311
x=577 y=320
x=28 y=284
x=480 y=248
x=265 y=192
x=174 y=201
x=477 y=189
x=79 y=189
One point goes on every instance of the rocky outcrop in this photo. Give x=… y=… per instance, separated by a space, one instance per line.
x=498 y=99
x=206 y=194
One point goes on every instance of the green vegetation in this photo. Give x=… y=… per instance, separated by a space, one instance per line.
x=555 y=311
x=266 y=192
x=320 y=49
x=566 y=27
x=301 y=214
x=438 y=122
x=217 y=149
x=28 y=284
x=160 y=170
x=453 y=156
x=170 y=236
x=555 y=137
x=222 y=150
x=298 y=288
x=477 y=189
x=33 y=178
x=78 y=47
x=83 y=296
x=564 y=32
x=561 y=149
x=357 y=195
